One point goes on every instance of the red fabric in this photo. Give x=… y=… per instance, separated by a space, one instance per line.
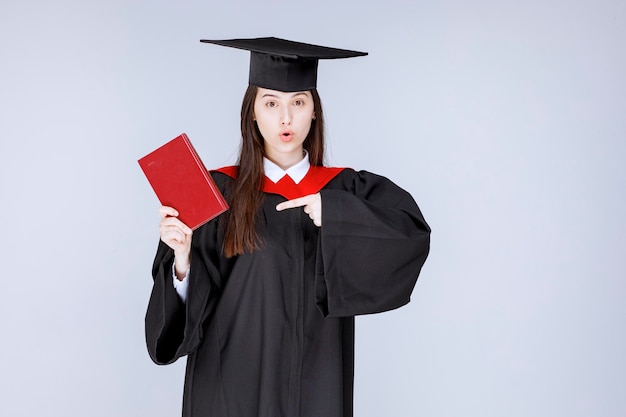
x=314 y=180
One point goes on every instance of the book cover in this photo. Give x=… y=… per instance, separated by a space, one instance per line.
x=180 y=180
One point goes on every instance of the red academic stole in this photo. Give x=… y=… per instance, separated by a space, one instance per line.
x=314 y=180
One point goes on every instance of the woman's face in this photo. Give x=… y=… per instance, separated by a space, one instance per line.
x=284 y=120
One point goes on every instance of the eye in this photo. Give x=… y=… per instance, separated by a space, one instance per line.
x=271 y=104
x=299 y=102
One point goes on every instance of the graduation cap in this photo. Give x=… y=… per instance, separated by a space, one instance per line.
x=279 y=64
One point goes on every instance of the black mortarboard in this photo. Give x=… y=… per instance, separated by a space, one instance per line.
x=283 y=65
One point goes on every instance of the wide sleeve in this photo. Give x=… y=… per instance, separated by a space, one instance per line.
x=373 y=243
x=173 y=328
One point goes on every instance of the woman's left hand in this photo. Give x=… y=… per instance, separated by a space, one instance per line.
x=312 y=205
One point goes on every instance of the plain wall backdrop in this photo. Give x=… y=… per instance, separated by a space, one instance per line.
x=506 y=120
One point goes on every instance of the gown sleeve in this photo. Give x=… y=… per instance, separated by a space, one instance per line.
x=173 y=328
x=373 y=243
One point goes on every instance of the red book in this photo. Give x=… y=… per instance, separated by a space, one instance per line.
x=181 y=181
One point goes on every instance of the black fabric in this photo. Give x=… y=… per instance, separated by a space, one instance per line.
x=271 y=334
x=282 y=74
x=283 y=65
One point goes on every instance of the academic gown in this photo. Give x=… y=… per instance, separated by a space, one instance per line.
x=271 y=333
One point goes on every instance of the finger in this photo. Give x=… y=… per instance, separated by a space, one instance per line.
x=175 y=234
x=297 y=202
x=316 y=217
x=180 y=237
x=175 y=222
x=175 y=244
x=166 y=211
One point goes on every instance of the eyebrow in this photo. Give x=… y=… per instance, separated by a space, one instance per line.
x=303 y=93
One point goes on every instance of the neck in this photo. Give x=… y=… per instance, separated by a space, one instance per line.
x=286 y=161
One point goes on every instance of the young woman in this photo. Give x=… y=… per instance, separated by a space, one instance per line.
x=262 y=299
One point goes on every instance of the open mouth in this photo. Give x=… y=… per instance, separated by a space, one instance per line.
x=286 y=136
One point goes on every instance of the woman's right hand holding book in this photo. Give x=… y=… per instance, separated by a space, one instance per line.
x=177 y=236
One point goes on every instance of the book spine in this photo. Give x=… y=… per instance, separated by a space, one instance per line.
x=206 y=173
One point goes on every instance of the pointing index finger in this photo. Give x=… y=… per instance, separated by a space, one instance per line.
x=296 y=202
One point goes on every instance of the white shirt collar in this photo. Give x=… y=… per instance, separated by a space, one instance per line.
x=296 y=172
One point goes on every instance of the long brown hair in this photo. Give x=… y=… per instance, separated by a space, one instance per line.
x=245 y=195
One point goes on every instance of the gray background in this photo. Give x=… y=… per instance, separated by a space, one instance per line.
x=505 y=120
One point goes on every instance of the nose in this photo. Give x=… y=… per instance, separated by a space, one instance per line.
x=285 y=118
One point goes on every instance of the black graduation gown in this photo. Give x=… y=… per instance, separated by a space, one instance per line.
x=271 y=333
